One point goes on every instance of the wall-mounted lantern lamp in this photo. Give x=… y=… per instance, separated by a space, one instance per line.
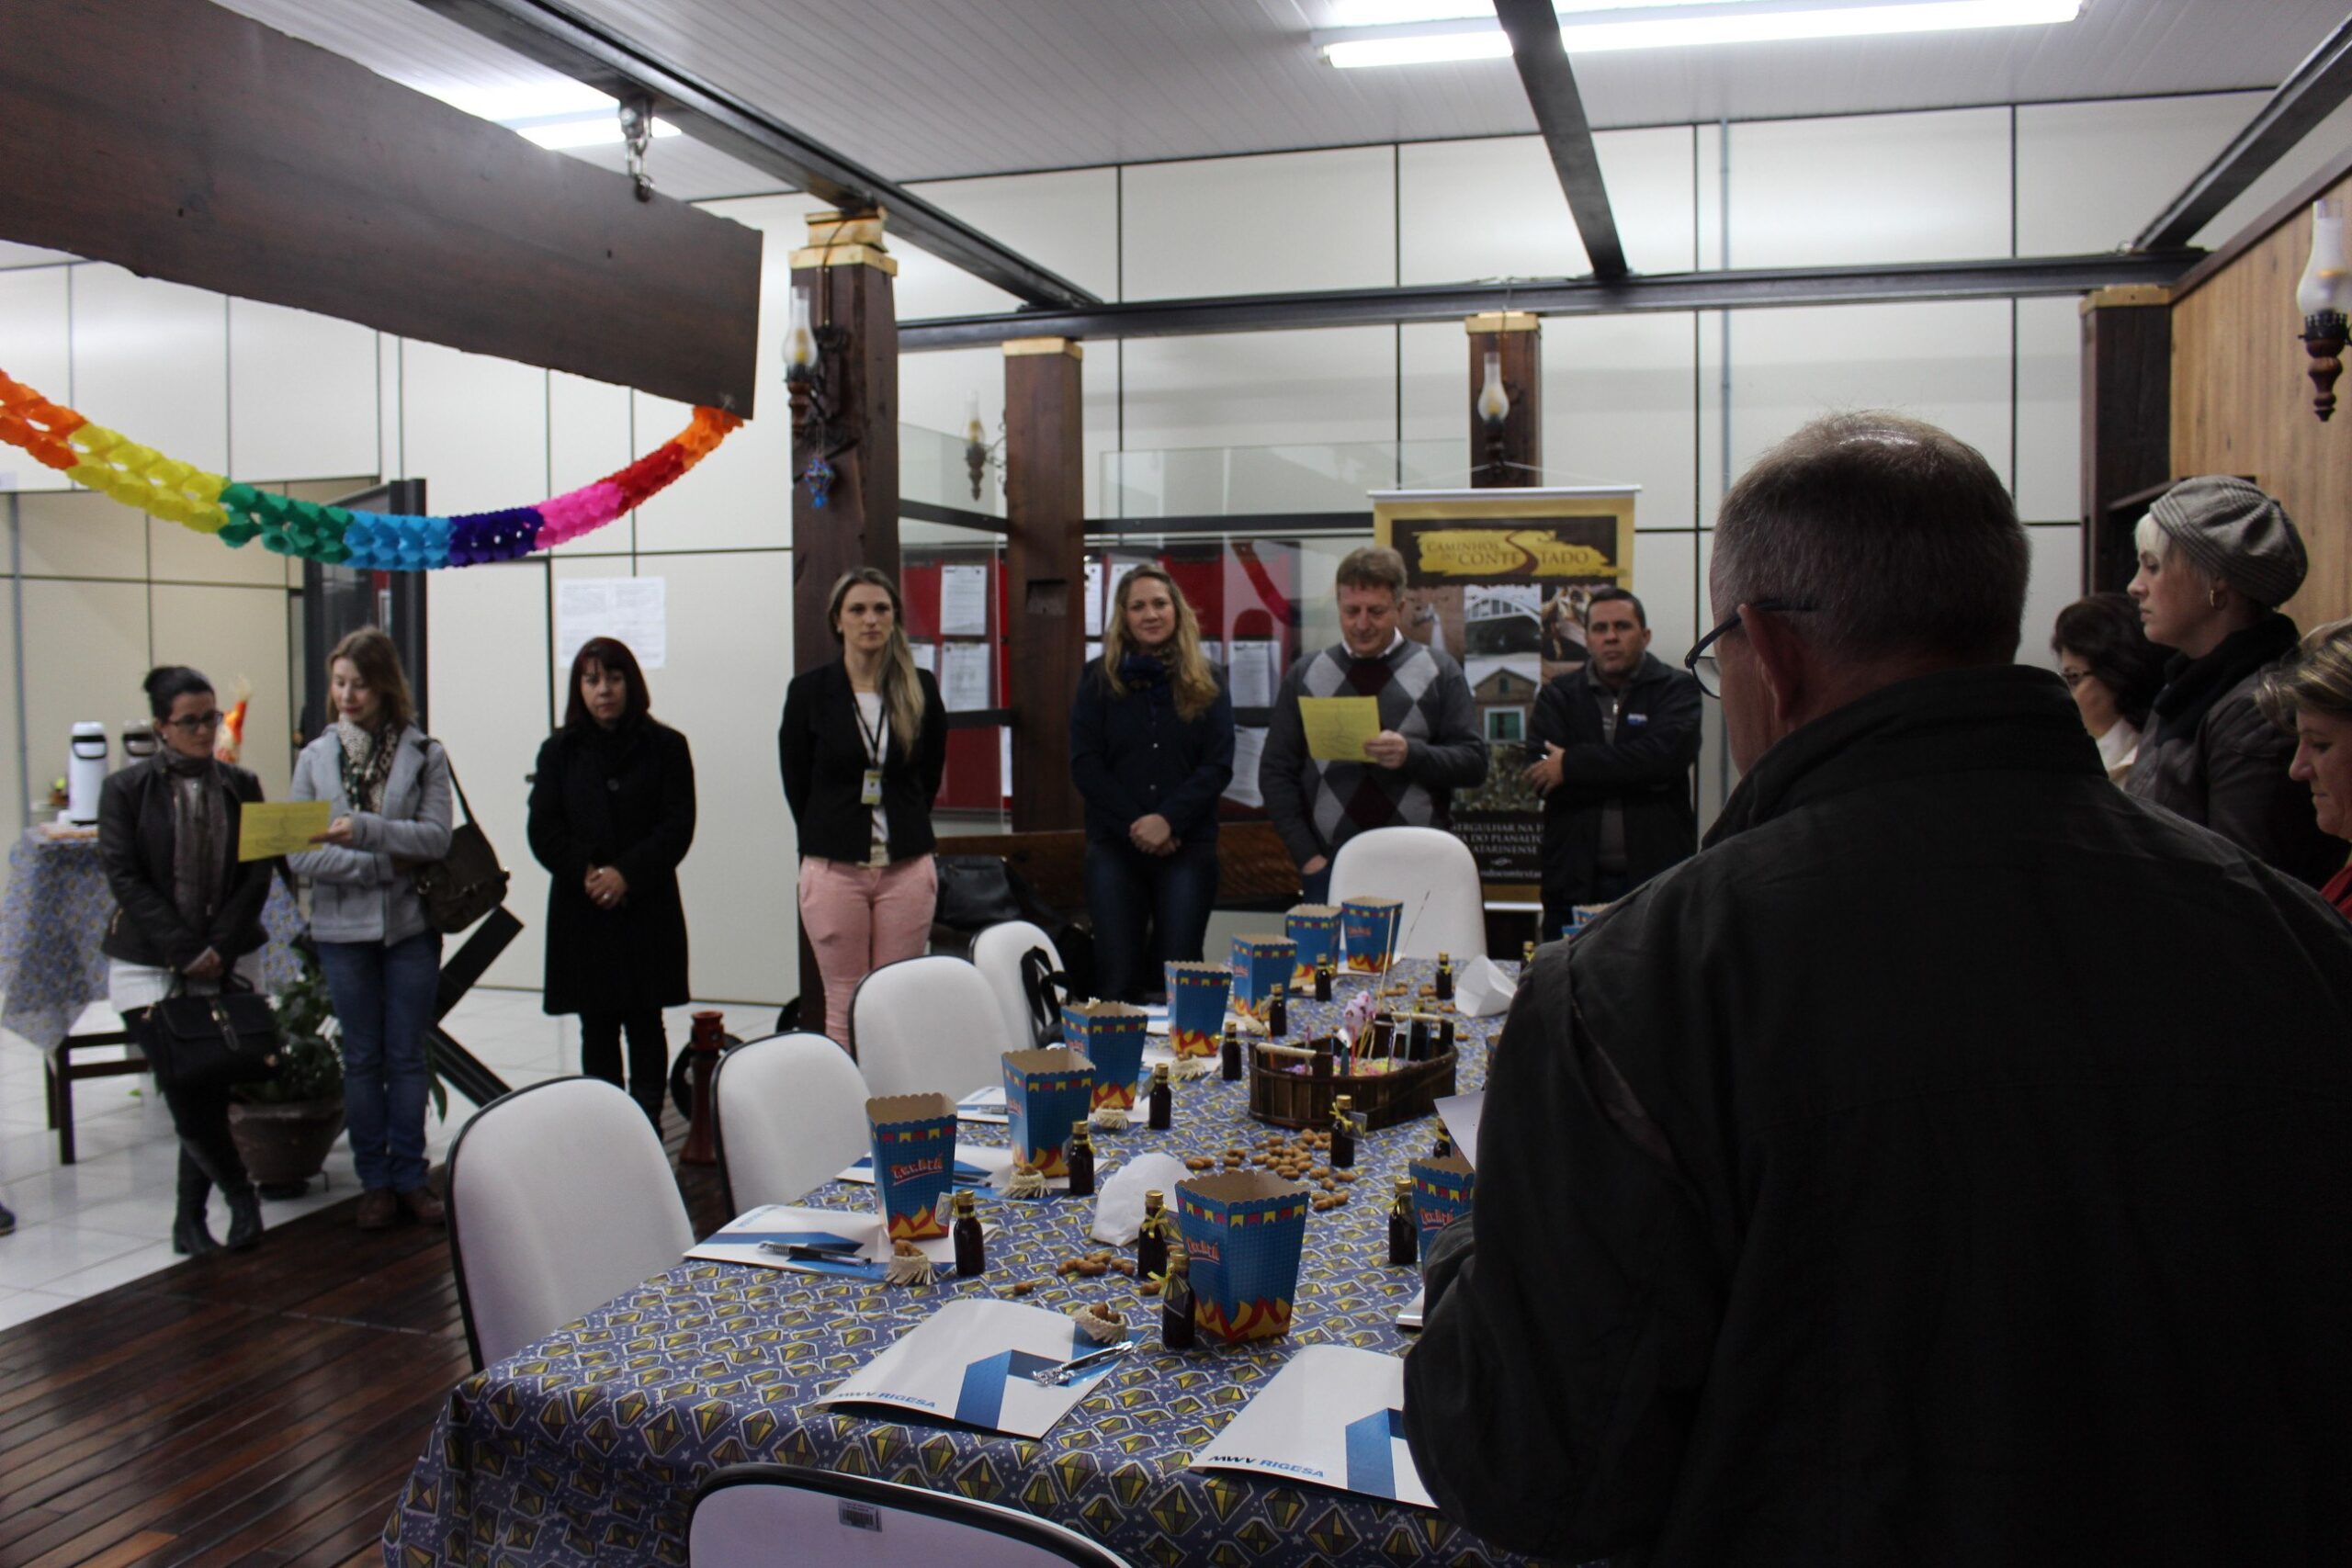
x=2323 y=296
x=809 y=350
x=1493 y=407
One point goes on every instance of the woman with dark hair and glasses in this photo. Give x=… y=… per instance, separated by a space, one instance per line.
x=188 y=914
x=612 y=815
x=2114 y=672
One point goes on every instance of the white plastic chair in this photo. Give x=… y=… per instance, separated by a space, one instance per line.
x=748 y=1515
x=997 y=953
x=928 y=1024
x=561 y=1198
x=791 y=1113
x=1431 y=875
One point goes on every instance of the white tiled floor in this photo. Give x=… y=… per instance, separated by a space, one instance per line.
x=106 y=1220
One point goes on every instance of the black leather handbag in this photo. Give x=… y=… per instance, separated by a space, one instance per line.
x=466 y=883
x=230 y=1037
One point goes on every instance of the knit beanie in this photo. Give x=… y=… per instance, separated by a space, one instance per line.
x=2230 y=530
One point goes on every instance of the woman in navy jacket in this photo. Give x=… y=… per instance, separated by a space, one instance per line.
x=1151 y=751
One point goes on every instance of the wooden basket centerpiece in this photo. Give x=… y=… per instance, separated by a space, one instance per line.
x=1370 y=1062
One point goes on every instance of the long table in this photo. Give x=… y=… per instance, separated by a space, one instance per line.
x=588 y=1444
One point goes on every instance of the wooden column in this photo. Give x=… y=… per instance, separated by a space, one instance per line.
x=1045 y=502
x=1518 y=336
x=2127 y=422
x=848 y=274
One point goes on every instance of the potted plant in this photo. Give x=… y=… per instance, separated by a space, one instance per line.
x=285 y=1125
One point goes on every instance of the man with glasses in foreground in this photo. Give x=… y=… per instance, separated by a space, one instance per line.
x=1834 y=1205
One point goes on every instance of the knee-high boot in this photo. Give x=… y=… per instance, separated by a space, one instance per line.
x=190 y=1237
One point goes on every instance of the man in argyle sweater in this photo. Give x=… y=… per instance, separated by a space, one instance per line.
x=1428 y=746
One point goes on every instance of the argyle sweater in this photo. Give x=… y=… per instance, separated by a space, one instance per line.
x=1318 y=806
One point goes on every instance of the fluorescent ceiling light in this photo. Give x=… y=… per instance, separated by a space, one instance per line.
x=1682 y=25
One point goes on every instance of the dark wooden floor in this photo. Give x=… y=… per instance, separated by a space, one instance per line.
x=262 y=1408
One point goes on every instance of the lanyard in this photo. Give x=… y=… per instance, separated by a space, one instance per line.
x=873 y=737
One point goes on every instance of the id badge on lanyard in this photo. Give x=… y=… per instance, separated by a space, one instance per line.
x=870 y=794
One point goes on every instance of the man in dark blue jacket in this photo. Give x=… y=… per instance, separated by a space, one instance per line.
x=1618 y=736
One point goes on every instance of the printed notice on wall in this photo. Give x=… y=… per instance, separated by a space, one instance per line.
x=964 y=675
x=1094 y=597
x=963 y=601
x=1254 y=676
x=633 y=610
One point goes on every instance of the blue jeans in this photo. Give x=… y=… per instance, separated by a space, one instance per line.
x=1148 y=910
x=383 y=1000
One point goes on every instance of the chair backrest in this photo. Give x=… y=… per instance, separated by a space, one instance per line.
x=561 y=1198
x=791 y=1113
x=998 y=953
x=1431 y=873
x=753 y=1513
x=928 y=1023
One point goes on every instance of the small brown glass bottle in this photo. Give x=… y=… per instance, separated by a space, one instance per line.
x=1417 y=1044
x=1444 y=983
x=1343 y=1133
x=1162 y=1114
x=1323 y=980
x=1151 y=1241
x=1442 y=1147
x=1404 y=1231
x=1278 y=1013
x=1230 y=1058
x=1079 y=1157
x=971 y=1251
x=1176 y=1302
x=1527 y=954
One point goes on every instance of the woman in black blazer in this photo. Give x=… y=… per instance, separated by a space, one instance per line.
x=864 y=745
x=612 y=815
x=188 y=914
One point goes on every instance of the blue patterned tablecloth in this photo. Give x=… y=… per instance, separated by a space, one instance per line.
x=588 y=1446
x=52 y=919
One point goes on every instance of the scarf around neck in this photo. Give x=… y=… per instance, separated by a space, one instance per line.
x=199 y=828
x=367 y=757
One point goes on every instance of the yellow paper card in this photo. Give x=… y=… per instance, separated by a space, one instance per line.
x=283 y=827
x=1337 y=727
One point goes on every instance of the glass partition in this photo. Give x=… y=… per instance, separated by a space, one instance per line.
x=934 y=471
x=951 y=579
x=1240 y=482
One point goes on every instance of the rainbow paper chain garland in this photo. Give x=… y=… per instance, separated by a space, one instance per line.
x=143 y=478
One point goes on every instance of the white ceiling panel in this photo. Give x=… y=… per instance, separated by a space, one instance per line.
x=921 y=89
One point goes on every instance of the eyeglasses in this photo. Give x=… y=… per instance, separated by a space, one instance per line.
x=2074 y=678
x=196 y=721
x=1705 y=668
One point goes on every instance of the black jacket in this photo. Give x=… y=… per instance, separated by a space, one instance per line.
x=2210 y=755
x=1946 y=1166
x=823 y=753
x=135 y=847
x=1132 y=755
x=625 y=799
x=1648 y=769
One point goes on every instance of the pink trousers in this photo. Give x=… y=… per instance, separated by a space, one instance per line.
x=859 y=917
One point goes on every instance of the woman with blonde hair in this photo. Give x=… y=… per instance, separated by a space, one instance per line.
x=864 y=745
x=388 y=784
x=2310 y=697
x=1151 y=751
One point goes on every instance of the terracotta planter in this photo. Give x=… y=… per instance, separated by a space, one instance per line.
x=285 y=1145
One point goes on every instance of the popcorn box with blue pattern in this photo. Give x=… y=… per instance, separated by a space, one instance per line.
x=1243 y=1232
x=1111 y=1036
x=1368 y=930
x=1442 y=1190
x=1196 y=996
x=1261 y=965
x=914 y=1162
x=1045 y=1093
x=1314 y=929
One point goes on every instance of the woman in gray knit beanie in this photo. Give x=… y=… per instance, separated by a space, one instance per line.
x=2217 y=558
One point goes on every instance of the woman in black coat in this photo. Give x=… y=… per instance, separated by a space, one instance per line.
x=612 y=815
x=188 y=914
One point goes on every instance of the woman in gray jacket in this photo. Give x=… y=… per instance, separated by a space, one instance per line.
x=390 y=785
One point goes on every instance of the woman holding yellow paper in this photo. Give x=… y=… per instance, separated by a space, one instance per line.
x=188 y=913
